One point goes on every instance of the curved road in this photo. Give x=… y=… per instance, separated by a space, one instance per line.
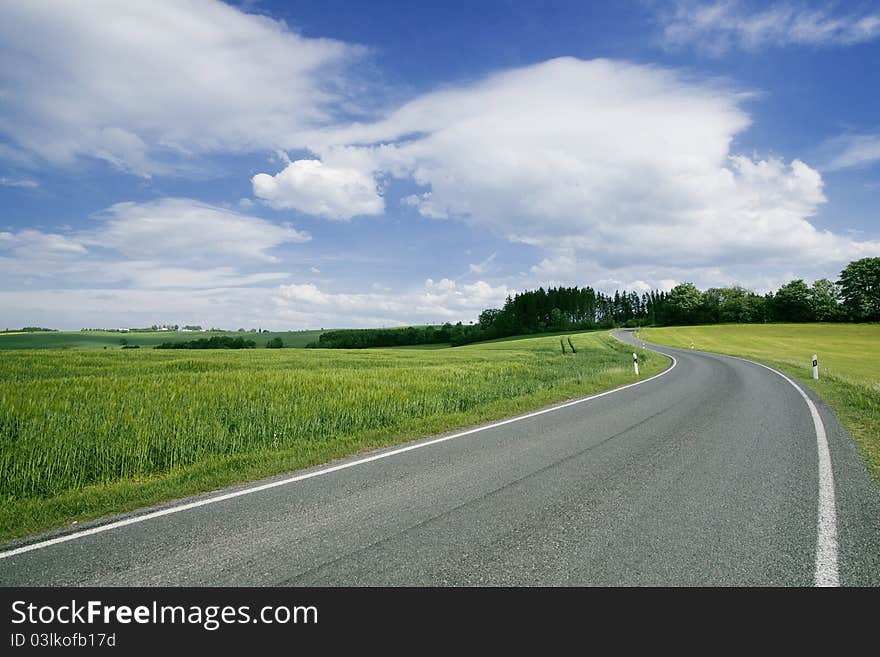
x=705 y=475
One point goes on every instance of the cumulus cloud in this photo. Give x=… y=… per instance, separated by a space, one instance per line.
x=607 y=161
x=312 y=187
x=717 y=27
x=146 y=84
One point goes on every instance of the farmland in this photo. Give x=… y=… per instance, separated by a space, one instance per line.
x=111 y=339
x=849 y=358
x=89 y=432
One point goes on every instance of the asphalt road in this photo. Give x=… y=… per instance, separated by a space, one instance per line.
x=706 y=475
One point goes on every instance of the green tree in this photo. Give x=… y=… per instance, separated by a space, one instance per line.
x=713 y=301
x=860 y=286
x=825 y=300
x=488 y=318
x=792 y=303
x=558 y=321
x=736 y=304
x=275 y=343
x=683 y=304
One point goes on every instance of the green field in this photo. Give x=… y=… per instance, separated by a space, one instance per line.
x=87 y=432
x=111 y=339
x=849 y=364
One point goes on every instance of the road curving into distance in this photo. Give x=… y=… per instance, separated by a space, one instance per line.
x=708 y=474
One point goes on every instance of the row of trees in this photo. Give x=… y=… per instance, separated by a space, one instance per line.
x=392 y=337
x=143 y=329
x=214 y=342
x=30 y=329
x=855 y=297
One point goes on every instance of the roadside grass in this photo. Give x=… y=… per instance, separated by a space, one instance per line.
x=84 y=434
x=849 y=365
x=145 y=339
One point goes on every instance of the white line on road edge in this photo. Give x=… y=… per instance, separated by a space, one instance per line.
x=309 y=475
x=827 y=573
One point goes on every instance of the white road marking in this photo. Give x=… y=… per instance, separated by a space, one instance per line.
x=309 y=475
x=827 y=572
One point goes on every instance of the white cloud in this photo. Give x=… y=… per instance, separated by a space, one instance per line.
x=33 y=242
x=313 y=187
x=853 y=151
x=17 y=156
x=184 y=229
x=18 y=182
x=481 y=267
x=716 y=27
x=637 y=275
x=607 y=161
x=602 y=161
x=153 y=275
x=425 y=206
x=435 y=301
x=146 y=84
x=168 y=243
x=298 y=305
x=108 y=307
x=562 y=266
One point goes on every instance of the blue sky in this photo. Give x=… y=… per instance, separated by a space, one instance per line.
x=316 y=164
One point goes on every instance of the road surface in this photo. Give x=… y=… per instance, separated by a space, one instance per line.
x=705 y=475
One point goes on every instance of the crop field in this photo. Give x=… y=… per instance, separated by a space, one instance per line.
x=84 y=433
x=111 y=339
x=849 y=365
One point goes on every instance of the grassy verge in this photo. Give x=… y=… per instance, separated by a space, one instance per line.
x=87 y=433
x=849 y=363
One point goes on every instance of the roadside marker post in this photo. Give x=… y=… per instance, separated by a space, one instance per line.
x=815 y=367
x=636 y=363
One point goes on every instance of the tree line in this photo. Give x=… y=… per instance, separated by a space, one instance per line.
x=30 y=329
x=214 y=342
x=391 y=337
x=855 y=297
